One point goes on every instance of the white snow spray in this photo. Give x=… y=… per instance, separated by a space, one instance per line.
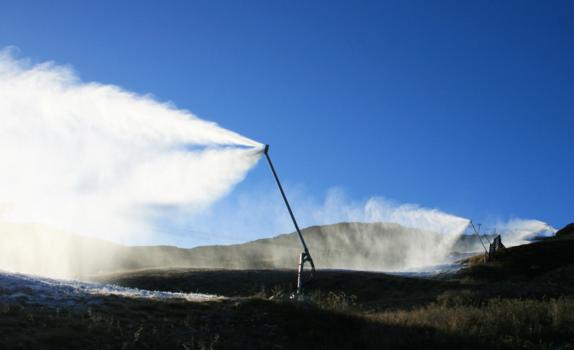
x=96 y=159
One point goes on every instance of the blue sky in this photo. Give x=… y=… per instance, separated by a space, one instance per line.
x=462 y=106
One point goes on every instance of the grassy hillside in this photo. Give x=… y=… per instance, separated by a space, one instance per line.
x=524 y=301
x=528 y=261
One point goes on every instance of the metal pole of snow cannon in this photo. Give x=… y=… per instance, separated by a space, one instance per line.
x=305 y=255
x=477 y=232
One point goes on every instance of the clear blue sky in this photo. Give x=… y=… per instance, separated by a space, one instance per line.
x=466 y=106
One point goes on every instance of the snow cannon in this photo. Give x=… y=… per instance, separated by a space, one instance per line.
x=305 y=256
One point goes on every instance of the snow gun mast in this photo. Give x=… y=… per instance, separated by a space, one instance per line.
x=305 y=255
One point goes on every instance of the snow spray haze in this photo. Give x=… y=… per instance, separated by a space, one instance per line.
x=421 y=237
x=372 y=234
x=98 y=160
x=519 y=231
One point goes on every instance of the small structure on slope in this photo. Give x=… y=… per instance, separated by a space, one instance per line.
x=495 y=246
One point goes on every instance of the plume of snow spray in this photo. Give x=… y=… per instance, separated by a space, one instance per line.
x=429 y=241
x=380 y=209
x=520 y=231
x=96 y=159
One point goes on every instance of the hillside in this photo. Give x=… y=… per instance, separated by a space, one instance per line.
x=524 y=301
x=525 y=262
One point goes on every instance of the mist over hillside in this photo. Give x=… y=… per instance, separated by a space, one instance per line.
x=361 y=246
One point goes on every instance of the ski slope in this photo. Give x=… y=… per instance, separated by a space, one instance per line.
x=28 y=289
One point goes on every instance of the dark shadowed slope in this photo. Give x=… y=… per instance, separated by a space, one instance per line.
x=567 y=230
x=527 y=261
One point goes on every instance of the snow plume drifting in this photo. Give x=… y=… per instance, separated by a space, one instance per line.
x=409 y=237
x=520 y=231
x=97 y=159
x=380 y=209
x=433 y=232
x=513 y=232
x=101 y=161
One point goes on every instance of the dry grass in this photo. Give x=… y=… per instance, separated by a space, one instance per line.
x=530 y=324
x=330 y=320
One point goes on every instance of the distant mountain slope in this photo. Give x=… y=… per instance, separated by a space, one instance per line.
x=365 y=246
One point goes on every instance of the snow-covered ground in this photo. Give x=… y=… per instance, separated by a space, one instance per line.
x=422 y=272
x=428 y=271
x=15 y=287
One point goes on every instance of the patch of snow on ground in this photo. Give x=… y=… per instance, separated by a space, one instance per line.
x=29 y=289
x=421 y=272
x=428 y=271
